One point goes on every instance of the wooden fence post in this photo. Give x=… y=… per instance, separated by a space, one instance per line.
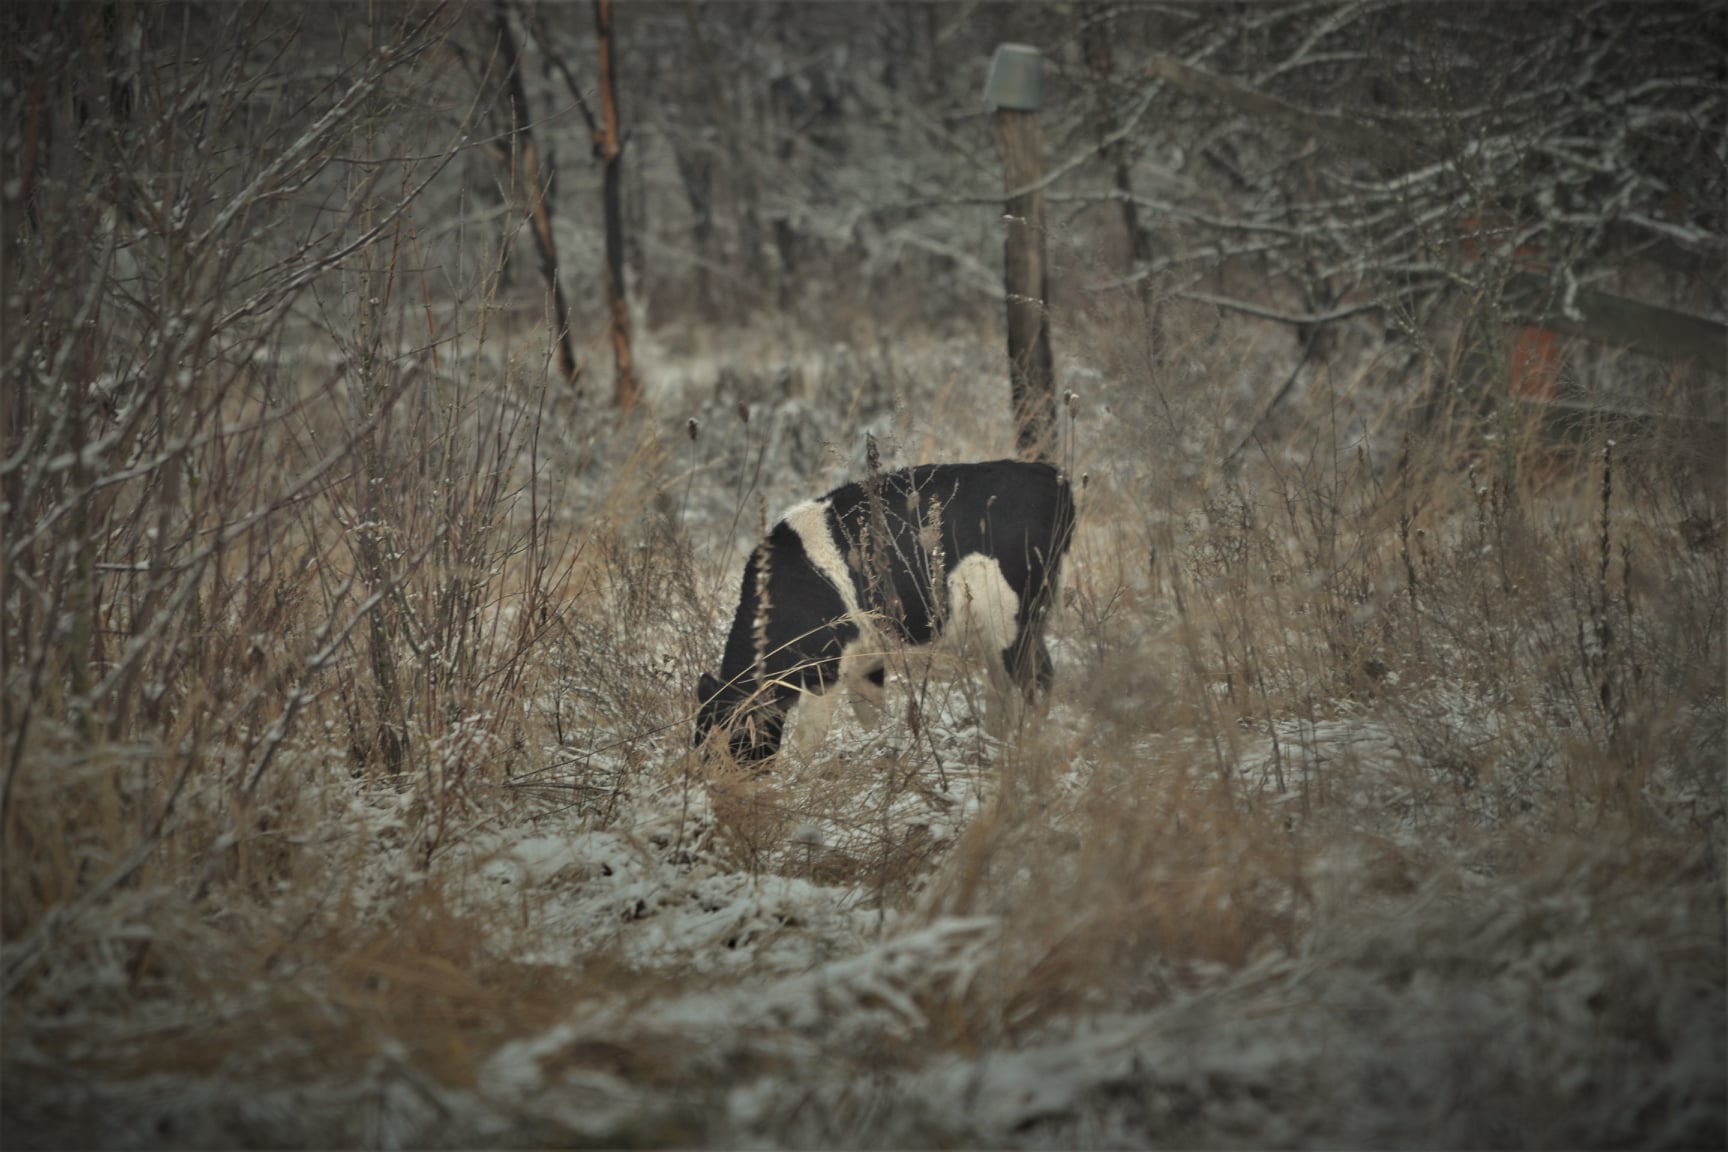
x=1014 y=88
x=627 y=390
x=523 y=150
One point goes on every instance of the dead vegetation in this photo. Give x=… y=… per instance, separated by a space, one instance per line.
x=348 y=664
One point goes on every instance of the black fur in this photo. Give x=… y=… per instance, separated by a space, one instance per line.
x=1020 y=514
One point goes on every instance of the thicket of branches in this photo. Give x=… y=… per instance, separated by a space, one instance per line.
x=183 y=182
x=319 y=583
x=1309 y=161
x=219 y=532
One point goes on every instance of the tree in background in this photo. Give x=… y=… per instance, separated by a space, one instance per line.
x=1546 y=164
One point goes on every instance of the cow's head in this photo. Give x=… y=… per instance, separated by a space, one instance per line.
x=753 y=726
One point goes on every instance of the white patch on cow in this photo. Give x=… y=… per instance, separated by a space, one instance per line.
x=980 y=627
x=811 y=720
x=810 y=521
x=982 y=606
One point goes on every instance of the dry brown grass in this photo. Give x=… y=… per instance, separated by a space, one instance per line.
x=1371 y=705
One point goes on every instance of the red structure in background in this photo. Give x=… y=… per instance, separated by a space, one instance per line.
x=1533 y=366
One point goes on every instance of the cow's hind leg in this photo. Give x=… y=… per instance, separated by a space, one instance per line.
x=1028 y=664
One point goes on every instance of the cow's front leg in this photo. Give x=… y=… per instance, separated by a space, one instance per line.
x=812 y=719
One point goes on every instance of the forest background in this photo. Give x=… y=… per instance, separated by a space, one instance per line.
x=392 y=393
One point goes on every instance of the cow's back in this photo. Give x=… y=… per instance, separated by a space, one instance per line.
x=1019 y=513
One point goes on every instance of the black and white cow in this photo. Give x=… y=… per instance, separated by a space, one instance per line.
x=967 y=553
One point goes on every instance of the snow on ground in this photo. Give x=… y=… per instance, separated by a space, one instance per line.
x=1463 y=1013
x=778 y=961
x=1467 y=1015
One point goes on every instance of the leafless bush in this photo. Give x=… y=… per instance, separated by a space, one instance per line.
x=216 y=539
x=346 y=663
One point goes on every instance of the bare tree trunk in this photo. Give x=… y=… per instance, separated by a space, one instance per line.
x=534 y=186
x=744 y=138
x=1095 y=39
x=636 y=195
x=627 y=391
x=696 y=170
x=693 y=153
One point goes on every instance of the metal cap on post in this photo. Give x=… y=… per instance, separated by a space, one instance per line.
x=1016 y=80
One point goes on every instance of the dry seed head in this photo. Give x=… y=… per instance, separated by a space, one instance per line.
x=759 y=626
x=743 y=411
x=930 y=529
x=694 y=428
